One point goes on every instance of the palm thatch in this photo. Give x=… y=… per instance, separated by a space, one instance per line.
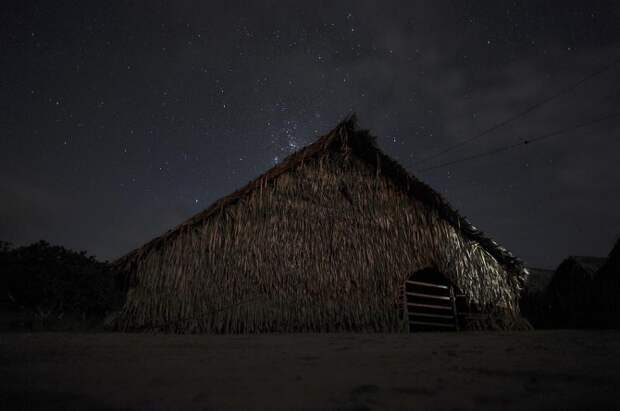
x=321 y=242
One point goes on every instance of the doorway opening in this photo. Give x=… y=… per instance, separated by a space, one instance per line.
x=430 y=302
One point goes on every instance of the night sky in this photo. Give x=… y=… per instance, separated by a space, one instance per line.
x=122 y=119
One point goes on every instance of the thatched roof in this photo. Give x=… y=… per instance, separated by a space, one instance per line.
x=582 y=293
x=360 y=143
x=573 y=293
x=324 y=241
x=586 y=265
x=573 y=274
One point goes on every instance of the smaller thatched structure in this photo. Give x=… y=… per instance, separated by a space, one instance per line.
x=571 y=293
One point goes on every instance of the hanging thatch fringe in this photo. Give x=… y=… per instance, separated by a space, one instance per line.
x=321 y=242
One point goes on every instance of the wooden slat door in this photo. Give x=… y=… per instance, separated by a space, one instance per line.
x=430 y=305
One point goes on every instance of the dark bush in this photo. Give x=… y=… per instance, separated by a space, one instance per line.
x=52 y=281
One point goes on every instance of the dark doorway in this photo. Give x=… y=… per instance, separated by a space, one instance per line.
x=430 y=303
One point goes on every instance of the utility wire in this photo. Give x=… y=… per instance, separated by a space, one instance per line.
x=524 y=142
x=523 y=113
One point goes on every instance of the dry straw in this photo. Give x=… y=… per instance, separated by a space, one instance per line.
x=322 y=242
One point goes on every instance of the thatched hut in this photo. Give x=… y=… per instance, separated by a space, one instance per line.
x=334 y=238
x=572 y=292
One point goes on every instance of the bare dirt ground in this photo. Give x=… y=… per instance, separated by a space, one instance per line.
x=550 y=370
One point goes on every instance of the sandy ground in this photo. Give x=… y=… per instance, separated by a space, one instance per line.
x=574 y=370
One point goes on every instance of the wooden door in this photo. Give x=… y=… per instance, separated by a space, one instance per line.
x=430 y=302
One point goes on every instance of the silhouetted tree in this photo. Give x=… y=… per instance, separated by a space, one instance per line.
x=54 y=281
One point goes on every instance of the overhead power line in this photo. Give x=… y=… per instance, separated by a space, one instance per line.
x=523 y=113
x=524 y=142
